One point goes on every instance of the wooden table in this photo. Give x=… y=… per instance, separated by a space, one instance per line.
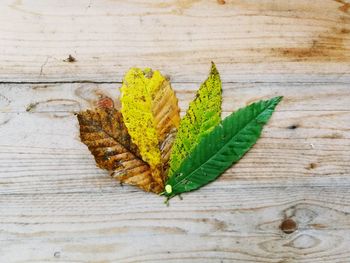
x=287 y=200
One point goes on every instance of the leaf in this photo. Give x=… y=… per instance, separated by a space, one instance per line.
x=222 y=147
x=107 y=138
x=203 y=114
x=151 y=115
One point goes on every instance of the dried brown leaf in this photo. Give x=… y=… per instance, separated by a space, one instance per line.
x=104 y=132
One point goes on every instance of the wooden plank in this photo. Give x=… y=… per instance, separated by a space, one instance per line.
x=56 y=205
x=309 y=134
x=232 y=225
x=249 y=40
x=280 y=162
x=72 y=97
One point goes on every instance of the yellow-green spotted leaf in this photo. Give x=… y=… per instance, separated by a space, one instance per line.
x=151 y=115
x=203 y=114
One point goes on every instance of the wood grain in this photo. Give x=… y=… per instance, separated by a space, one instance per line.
x=60 y=57
x=57 y=206
x=249 y=40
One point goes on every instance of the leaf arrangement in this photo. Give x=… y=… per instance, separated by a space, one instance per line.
x=146 y=144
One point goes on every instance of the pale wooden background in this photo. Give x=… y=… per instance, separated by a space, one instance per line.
x=56 y=206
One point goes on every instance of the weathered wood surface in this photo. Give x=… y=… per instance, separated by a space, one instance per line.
x=250 y=40
x=56 y=206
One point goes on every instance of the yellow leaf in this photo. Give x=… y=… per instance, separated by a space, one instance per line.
x=151 y=115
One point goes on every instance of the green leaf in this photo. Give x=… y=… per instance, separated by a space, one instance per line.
x=222 y=147
x=203 y=114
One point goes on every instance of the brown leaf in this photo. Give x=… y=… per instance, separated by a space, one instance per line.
x=107 y=138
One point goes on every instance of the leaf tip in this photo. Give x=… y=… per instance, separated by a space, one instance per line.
x=213 y=69
x=278 y=99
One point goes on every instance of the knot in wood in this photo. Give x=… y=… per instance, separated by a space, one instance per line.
x=288 y=226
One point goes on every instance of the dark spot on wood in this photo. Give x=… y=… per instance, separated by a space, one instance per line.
x=178 y=7
x=221 y=225
x=93 y=95
x=221 y=2
x=311 y=166
x=332 y=136
x=288 y=226
x=345 y=31
x=345 y=6
x=5 y=122
x=293 y=127
x=57 y=254
x=345 y=19
x=300 y=53
x=70 y=59
x=55 y=107
x=318 y=226
x=30 y=107
x=330 y=45
x=40 y=86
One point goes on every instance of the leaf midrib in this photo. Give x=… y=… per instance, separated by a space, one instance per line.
x=117 y=141
x=220 y=148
